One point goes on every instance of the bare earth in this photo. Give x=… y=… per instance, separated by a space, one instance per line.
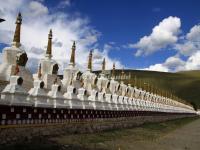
x=182 y=134
x=184 y=138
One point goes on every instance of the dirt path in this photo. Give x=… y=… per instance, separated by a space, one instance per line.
x=184 y=138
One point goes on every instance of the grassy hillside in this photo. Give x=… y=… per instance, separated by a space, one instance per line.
x=185 y=85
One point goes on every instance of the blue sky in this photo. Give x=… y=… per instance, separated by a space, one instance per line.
x=123 y=23
x=127 y=21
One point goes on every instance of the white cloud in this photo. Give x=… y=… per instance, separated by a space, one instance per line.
x=64 y=3
x=171 y=64
x=187 y=45
x=191 y=42
x=193 y=62
x=37 y=9
x=100 y=55
x=187 y=48
x=37 y=20
x=157 y=67
x=164 y=34
x=194 y=34
x=7 y=35
x=175 y=63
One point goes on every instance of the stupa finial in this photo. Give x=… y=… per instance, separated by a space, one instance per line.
x=72 y=58
x=113 y=70
x=90 y=61
x=103 y=65
x=49 y=45
x=122 y=74
x=16 y=39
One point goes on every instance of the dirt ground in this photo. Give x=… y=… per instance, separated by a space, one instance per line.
x=180 y=134
x=184 y=138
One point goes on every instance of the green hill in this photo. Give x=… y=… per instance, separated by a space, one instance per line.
x=185 y=85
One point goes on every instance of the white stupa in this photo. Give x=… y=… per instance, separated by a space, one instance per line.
x=71 y=75
x=89 y=78
x=13 y=56
x=49 y=67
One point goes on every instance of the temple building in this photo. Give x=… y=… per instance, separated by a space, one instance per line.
x=16 y=56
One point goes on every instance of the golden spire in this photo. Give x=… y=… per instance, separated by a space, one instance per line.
x=157 y=91
x=113 y=70
x=122 y=74
x=152 y=89
x=141 y=84
x=135 y=81
x=171 y=95
x=49 y=46
x=16 y=39
x=39 y=71
x=148 y=87
x=90 y=61
x=161 y=93
x=123 y=71
x=145 y=86
x=72 y=58
x=103 y=65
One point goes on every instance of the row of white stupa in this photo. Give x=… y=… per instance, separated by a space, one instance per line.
x=76 y=90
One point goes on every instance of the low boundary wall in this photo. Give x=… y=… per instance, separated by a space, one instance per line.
x=23 y=123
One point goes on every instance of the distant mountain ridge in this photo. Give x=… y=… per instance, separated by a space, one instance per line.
x=184 y=84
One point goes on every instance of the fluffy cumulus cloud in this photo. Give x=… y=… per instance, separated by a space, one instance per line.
x=194 y=33
x=164 y=34
x=175 y=63
x=190 y=43
x=167 y=34
x=190 y=48
x=157 y=67
x=172 y=63
x=193 y=62
x=37 y=9
x=64 y=3
x=38 y=19
x=187 y=48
